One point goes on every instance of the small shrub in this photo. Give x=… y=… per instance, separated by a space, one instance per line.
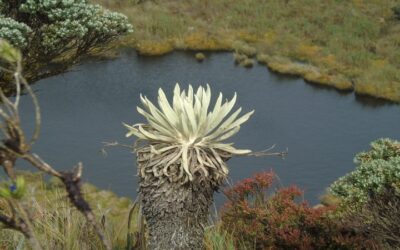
x=200 y=57
x=257 y=220
x=239 y=58
x=63 y=30
x=244 y=48
x=376 y=169
x=247 y=63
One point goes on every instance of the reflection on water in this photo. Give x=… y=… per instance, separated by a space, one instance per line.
x=373 y=102
x=322 y=128
x=319 y=87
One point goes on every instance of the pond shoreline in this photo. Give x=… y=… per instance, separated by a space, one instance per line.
x=346 y=46
x=281 y=65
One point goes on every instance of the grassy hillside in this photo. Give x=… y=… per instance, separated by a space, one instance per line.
x=348 y=44
x=58 y=225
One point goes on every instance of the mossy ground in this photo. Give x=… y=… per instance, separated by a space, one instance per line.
x=349 y=45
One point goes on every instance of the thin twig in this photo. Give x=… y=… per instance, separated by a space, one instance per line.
x=37 y=110
x=37 y=162
x=115 y=144
x=266 y=152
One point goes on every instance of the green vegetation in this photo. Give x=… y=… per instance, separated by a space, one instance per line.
x=396 y=11
x=346 y=44
x=181 y=164
x=200 y=57
x=376 y=170
x=257 y=215
x=58 y=225
x=369 y=197
x=62 y=30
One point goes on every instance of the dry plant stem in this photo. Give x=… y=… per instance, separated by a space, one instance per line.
x=37 y=162
x=28 y=232
x=72 y=182
x=35 y=104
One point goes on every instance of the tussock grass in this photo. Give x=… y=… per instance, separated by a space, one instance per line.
x=343 y=40
x=218 y=239
x=58 y=225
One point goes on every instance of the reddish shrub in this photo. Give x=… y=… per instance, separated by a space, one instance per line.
x=259 y=219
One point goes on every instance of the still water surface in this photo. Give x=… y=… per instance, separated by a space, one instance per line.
x=322 y=128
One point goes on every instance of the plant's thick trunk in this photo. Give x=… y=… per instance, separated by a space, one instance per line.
x=176 y=210
x=176 y=214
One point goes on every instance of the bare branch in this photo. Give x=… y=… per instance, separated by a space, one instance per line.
x=37 y=162
x=37 y=109
x=18 y=86
x=114 y=144
x=266 y=152
x=73 y=185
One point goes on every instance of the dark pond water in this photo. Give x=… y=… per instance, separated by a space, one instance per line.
x=322 y=128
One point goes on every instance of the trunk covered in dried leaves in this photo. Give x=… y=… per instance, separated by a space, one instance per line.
x=176 y=215
x=176 y=212
x=182 y=162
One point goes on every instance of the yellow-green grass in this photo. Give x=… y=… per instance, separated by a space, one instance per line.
x=58 y=225
x=341 y=43
x=218 y=239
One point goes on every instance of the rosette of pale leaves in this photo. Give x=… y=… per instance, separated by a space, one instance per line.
x=185 y=139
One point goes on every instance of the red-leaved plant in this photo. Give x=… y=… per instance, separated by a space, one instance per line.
x=261 y=219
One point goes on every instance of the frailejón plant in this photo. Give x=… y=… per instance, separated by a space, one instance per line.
x=183 y=162
x=189 y=132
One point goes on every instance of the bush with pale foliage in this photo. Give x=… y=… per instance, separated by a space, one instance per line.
x=50 y=27
x=376 y=169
